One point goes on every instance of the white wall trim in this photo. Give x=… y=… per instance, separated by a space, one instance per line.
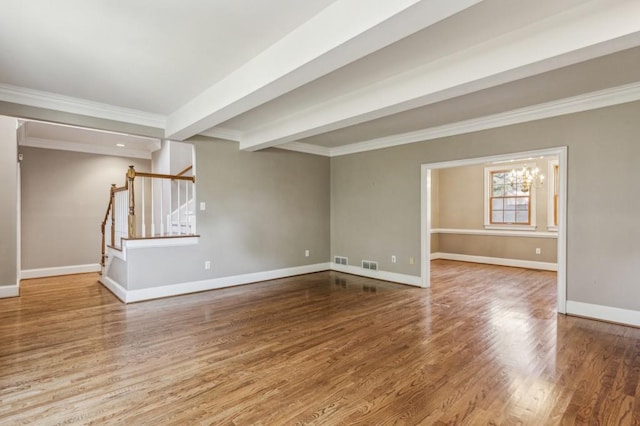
x=159 y=242
x=306 y=148
x=114 y=287
x=9 y=291
x=425 y=207
x=128 y=244
x=85 y=147
x=223 y=133
x=551 y=180
x=129 y=296
x=52 y=101
x=379 y=275
x=605 y=313
x=585 y=102
x=60 y=270
x=517 y=263
x=495 y=233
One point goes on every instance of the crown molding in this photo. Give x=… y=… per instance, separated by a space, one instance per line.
x=52 y=101
x=86 y=148
x=306 y=148
x=588 y=101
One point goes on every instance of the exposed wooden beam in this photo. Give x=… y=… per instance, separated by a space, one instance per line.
x=307 y=53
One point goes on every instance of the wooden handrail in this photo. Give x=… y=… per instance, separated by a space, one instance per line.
x=185 y=170
x=104 y=224
x=161 y=176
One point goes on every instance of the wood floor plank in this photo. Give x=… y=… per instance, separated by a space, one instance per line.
x=483 y=345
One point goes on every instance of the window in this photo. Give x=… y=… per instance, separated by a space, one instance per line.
x=552 y=202
x=507 y=203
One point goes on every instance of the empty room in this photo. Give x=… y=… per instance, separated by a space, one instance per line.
x=327 y=212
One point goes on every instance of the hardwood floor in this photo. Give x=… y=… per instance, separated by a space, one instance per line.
x=484 y=345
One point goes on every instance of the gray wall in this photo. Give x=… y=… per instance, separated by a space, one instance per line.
x=8 y=206
x=64 y=199
x=376 y=197
x=263 y=210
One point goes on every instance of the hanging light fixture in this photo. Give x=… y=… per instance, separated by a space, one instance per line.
x=525 y=178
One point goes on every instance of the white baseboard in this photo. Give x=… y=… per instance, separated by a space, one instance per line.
x=380 y=275
x=114 y=287
x=59 y=270
x=129 y=296
x=529 y=264
x=605 y=313
x=9 y=291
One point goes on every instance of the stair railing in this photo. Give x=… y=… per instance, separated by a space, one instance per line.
x=126 y=219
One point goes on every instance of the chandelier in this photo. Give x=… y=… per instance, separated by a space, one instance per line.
x=525 y=178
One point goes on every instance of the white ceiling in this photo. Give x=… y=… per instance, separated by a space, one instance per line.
x=323 y=76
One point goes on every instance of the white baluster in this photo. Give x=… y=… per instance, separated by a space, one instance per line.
x=144 y=226
x=179 y=210
x=153 y=210
x=162 y=207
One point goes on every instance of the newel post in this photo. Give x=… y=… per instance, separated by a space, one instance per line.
x=131 y=175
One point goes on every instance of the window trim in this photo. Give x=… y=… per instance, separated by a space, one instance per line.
x=488 y=195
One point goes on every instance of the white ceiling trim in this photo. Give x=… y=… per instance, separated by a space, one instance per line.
x=592 y=30
x=52 y=101
x=86 y=148
x=307 y=53
x=585 y=102
x=306 y=148
x=223 y=133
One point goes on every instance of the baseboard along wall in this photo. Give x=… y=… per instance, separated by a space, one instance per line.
x=517 y=263
x=9 y=291
x=59 y=270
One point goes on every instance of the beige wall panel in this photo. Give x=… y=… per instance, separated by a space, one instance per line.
x=376 y=197
x=435 y=243
x=64 y=198
x=521 y=248
x=461 y=199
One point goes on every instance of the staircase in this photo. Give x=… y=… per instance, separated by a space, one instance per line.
x=149 y=206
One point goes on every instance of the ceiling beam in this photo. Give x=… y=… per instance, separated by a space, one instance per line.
x=328 y=41
x=594 y=29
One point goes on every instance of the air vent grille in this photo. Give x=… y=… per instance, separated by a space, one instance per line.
x=340 y=260
x=370 y=264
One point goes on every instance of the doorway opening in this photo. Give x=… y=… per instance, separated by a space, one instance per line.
x=427 y=190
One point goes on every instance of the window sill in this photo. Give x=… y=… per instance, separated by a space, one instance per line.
x=531 y=228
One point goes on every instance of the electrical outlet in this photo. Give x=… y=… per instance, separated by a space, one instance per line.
x=306 y=253
x=393 y=259
x=411 y=260
x=203 y=206
x=207 y=264
x=538 y=250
